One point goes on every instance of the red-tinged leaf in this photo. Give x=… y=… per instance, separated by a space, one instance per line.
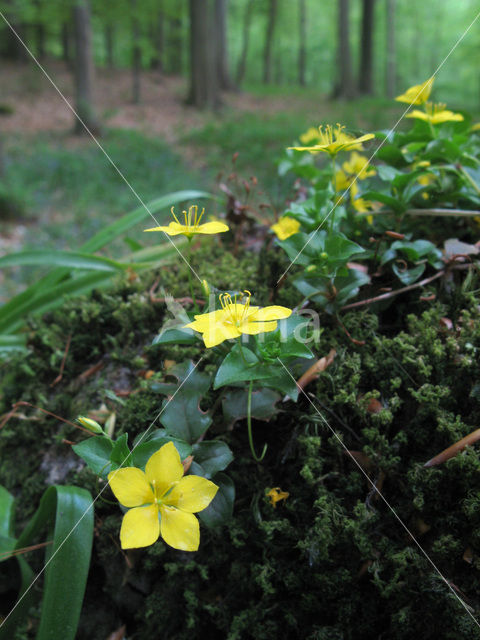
x=316 y=369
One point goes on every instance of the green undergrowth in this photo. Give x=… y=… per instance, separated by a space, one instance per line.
x=332 y=561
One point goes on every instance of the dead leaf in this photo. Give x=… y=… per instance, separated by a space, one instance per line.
x=119 y=634
x=187 y=463
x=452 y=451
x=446 y=323
x=454 y=247
x=363 y=460
x=374 y=406
x=316 y=369
x=468 y=555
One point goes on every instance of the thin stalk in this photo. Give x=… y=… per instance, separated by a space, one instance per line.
x=334 y=185
x=470 y=179
x=249 y=423
x=190 y=281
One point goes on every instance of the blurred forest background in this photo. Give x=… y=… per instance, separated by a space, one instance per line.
x=173 y=88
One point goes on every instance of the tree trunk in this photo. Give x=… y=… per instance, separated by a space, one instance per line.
x=221 y=42
x=66 y=53
x=84 y=70
x=302 y=42
x=390 y=68
x=108 y=34
x=344 y=87
x=175 y=45
x=242 y=63
x=267 y=53
x=40 y=40
x=136 y=55
x=365 y=82
x=158 y=37
x=204 y=92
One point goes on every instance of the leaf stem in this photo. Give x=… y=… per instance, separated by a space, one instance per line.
x=249 y=424
x=190 y=282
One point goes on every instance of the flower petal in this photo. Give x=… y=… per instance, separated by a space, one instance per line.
x=192 y=494
x=252 y=328
x=130 y=487
x=179 y=529
x=140 y=527
x=164 y=468
x=218 y=333
x=205 y=321
x=212 y=227
x=273 y=312
x=173 y=229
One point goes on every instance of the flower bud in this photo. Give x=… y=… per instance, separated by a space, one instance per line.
x=90 y=424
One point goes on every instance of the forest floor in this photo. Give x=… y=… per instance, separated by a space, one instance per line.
x=65 y=187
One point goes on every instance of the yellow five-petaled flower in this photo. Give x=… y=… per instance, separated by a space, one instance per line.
x=435 y=114
x=333 y=140
x=418 y=94
x=236 y=318
x=192 y=225
x=161 y=501
x=285 y=227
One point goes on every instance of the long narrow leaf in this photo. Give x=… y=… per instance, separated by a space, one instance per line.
x=68 y=512
x=71 y=259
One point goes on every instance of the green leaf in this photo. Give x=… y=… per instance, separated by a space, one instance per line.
x=71 y=259
x=408 y=276
x=181 y=414
x=68 y=513
x=6 y=513
x=96 y=451
x=143 y=451
x=176 y=336
x=377 y=196
x=236 y=368
x=210 y=457
x=234 y=405
x=220 y=510
x=120 y=455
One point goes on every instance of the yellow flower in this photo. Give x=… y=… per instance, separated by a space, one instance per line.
x=418 y=94
x=276 y=494
x=192 y=225
x=359 y=204
x=475 y=127
x=341 y=181
x=332 y=141
x=358 y=166
x=285 y=227
x=435 y=114
x=311 y=135
x=161 y=491
x=236 y=318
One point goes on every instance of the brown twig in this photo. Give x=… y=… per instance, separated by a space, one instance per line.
x=396 y=292
x=452 y=451
x=22 y=403
x=62 y=366
x=444 y=213
x=17 y=552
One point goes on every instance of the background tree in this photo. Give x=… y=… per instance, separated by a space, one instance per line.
x=365 y=75
x=390 y=67
x=204 y=90
x=224 y=81
x=84 y=69
x=302 y=47
x=242 y=63
x=344 y=85
x=267 y=52
x=136 y=53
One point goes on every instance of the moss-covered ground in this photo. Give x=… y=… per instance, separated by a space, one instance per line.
x=333 y=561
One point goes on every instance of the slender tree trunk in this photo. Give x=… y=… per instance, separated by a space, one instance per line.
x=344 y=87
x=136 y=54
x=84 y=69
x=221 y=42
x=66 y=53
x=267 y=53
x=159 y=41
x=242 y=63
x=391 y=53
x=204 y=92
x=175 y=45
x=365 y=82
x=108 y=35
x=302 y=48
x=40 y=40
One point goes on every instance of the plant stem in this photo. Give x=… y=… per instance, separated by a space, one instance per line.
x=190 y=282
x=249 y=423
x=470 y=179
x=334 y=185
